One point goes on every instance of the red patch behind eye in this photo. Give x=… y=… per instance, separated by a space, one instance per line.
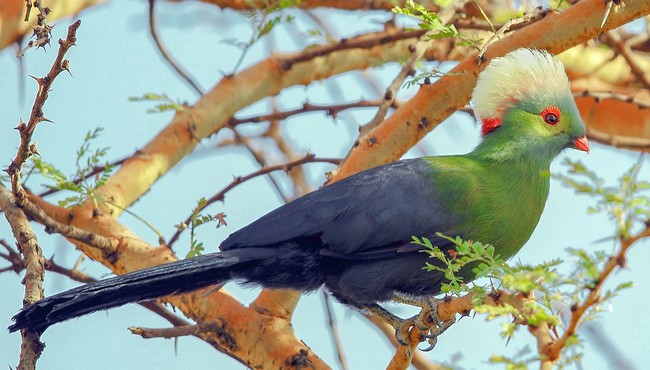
x=489 y=124
x=551 y=115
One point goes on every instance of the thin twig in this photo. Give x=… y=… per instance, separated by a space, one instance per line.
x=297 y=174
x=32 y=347
x=178 y=331
x=15 y=259
x=44 y=86
x=259 y=158
x=167 y=333
x=165 y=54
x=336 y=338
x=26 y=130
x=330 y=109
x=360 y=42
x=408 y=69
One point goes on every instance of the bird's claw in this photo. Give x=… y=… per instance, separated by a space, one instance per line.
x=403 y=330
x=432 y=340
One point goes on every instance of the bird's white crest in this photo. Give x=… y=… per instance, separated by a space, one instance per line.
x=520 y=74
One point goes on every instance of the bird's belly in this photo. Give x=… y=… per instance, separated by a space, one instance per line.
x=365 y=282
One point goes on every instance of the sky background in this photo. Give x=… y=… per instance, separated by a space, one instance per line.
x=115 y=59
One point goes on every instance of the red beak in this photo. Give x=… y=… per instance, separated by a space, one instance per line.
x=582 y=144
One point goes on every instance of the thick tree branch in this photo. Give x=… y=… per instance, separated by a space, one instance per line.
x=31 y=347
x=106 y=245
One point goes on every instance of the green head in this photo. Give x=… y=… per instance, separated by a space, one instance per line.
x=524 y=102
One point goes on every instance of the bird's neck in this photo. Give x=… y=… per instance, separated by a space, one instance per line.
x=512 y=149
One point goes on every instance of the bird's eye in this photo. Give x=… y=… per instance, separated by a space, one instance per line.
x=551 y=115
x=551 y=118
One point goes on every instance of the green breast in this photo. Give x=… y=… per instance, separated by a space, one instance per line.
x=500 y=203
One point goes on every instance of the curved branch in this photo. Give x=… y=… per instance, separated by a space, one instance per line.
x=165 y=54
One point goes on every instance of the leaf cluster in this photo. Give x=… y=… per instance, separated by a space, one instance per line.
x=197 y=219
x=91 y=172
x=429 y=20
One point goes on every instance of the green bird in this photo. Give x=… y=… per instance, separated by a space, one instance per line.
x=354 y=236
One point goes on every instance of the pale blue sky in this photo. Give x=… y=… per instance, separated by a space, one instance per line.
x=115 y=59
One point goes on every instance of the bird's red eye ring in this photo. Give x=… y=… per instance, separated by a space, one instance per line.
x=551 y=115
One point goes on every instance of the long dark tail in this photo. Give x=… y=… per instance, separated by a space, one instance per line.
x=171 y=278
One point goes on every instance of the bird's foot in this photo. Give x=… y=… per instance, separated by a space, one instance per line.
x=428 y=328
x=427 y=321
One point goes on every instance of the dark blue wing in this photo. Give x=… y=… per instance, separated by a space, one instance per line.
x=368 y=214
